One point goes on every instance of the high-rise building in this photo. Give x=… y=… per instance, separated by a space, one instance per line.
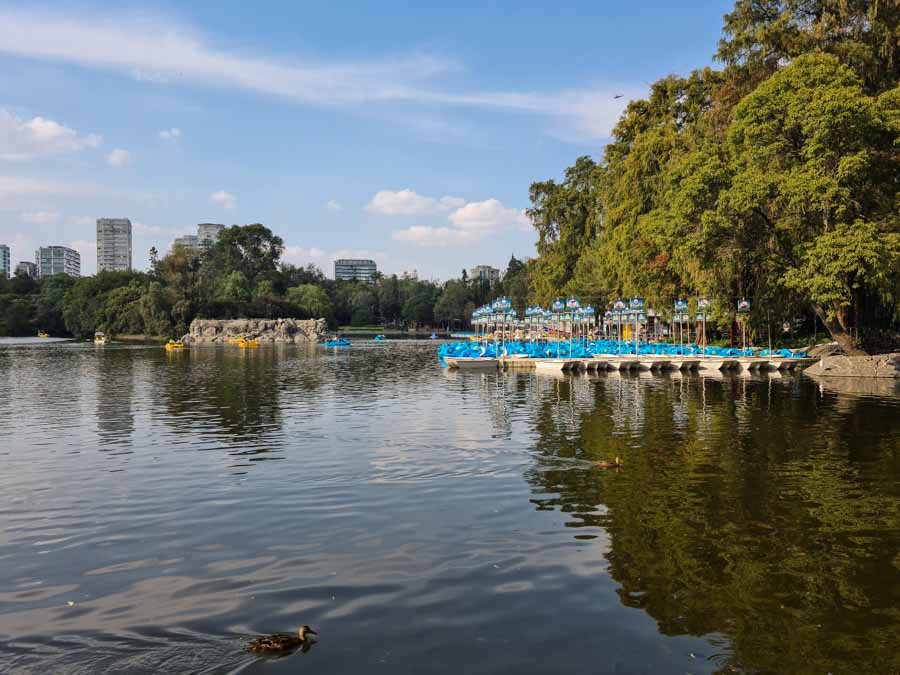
x=53 y=260
x=355 y=270
x=484 y=273
x=190 y=241
x=28 y=269
x=113 y=245
x=4 y=261
x=208 y=233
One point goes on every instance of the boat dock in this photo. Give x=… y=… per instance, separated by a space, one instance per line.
x=624 y=362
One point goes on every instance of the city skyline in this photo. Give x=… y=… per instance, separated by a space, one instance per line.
x=412 y=144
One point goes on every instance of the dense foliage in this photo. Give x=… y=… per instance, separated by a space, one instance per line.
x=774 y=179
x=242 y=275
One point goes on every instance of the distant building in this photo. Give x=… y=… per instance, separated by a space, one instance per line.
x=28 y=269
x=190 y=241
x=355 y=270
x=484 y=273
x=113 y=245
x=4 y=261
x=53 y=260
x=208 y=233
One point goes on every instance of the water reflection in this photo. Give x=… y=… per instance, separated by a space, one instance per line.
x=113 y=394
x=426 y=521
x=751 y=509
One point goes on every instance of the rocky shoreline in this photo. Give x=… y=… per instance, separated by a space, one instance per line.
x=878 y=366
x=276 y=331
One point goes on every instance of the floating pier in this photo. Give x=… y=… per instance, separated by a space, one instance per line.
x=654 y=363
x=717 y=363
x=557 y=365
x=471 y=363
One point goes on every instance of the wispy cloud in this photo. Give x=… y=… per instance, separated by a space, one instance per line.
x=22 y=139
x=161 y=53
x=40 y=217
x=334 y=205
x=172 y=134
x=410 y=203
x=118 y=157
x=224 y=199
x=469 y=221
x=302 y=255
x=154 y=230
x=20 y=188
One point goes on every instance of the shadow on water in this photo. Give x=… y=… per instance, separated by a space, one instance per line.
x=766 y=513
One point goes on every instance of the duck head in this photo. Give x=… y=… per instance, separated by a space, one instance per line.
x=305 y=631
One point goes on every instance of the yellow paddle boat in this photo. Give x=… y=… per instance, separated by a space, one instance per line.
x=42 y=334
x=243 y=343
x=100 y=338
x=172 y=345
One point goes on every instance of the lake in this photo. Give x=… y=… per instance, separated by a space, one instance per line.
x=157 y=510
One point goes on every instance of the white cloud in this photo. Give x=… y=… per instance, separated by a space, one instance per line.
x=81 y=220
x=172 y=134
x=447 y=203
x=487 y=216
x=402 y=203
x=409 y=203
x=88 y=251
x=118 y=157
x=154 y=230
x=162 y=53
x=25 y=139
x=224 y=199
x=299 y=255
x=425 y=235
x=471 y=222
x=40 y=217
x=334 y=205
x=14 y=188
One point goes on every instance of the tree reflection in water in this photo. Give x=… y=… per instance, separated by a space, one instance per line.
x=743 y=510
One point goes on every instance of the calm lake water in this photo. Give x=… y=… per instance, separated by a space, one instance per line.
x=430 y=522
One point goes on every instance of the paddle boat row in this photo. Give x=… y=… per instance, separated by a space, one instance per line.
x=610 y=355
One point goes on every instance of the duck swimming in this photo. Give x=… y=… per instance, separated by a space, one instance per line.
x=603 y=464
x=282 y=642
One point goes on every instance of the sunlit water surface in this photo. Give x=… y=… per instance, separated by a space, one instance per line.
x=156 y=510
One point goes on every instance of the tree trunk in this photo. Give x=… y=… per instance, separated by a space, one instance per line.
x=838 y=334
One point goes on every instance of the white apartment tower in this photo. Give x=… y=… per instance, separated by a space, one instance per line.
x=113 y=245
x=4 y=261
x=53 y=260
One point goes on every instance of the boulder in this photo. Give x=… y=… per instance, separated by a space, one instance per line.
x=282 y=331
x=880 y=365
x=823 y=350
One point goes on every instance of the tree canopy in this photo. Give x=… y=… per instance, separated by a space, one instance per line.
x=773 y=179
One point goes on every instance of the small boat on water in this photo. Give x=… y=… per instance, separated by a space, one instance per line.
x=42 y=334
x=172 y=345
x=380 y=338
x=433 y=336
x=100 y=338
x=244 y=343
x=337 y=342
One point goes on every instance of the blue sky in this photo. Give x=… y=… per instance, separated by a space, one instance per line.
x=406 y=132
